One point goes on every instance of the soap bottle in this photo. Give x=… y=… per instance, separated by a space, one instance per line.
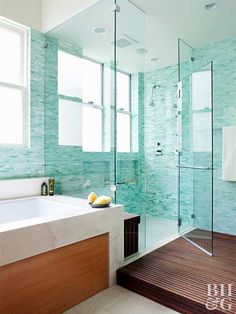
x=159 y=149
x=51 y=186
x=44 y=189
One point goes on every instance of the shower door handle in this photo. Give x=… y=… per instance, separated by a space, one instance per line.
x=193 y=167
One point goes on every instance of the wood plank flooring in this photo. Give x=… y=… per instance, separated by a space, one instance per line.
x=177 y=274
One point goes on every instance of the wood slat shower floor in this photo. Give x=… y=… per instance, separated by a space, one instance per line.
x=176 y=275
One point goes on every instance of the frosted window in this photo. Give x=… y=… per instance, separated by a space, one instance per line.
x=70 y=123
x=201 y=90
x=202 y=132
x=11 y=59
x=13 y=84
x=108 y=112
x=11 y=116
x=123 y=132
x=123 y=91
x=92 y=129
x=91 y=85
x=70 y=70
x=78 y=77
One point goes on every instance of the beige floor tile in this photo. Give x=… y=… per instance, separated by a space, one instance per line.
x=117 y=300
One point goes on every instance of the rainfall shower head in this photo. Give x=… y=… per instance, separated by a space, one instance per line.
x=152 y=102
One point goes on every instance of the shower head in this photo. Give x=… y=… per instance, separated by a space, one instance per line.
x=152 y=102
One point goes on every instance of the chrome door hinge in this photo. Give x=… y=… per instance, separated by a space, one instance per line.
x=178 y=93
x=179 y=222
x=116 y=8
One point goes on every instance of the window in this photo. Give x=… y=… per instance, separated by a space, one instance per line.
x=201 y=107
x=123 y=113
x=13 y=84
x=80 y=102
x=85 y=104
x=92 y=129
x=70 y=123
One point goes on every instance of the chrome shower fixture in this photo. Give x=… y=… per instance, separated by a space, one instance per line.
x=152 y=102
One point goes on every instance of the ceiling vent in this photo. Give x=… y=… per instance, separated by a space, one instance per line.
x=125 y=41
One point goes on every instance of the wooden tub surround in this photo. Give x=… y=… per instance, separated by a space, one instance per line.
x=57 y=280
x=177 y=274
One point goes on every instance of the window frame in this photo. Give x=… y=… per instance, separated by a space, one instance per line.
x=24 y=33
x=82 y=103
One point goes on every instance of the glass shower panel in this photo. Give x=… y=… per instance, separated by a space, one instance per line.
x=196 y=159
x=79 y=95
x=130 y=52
x=185 y=59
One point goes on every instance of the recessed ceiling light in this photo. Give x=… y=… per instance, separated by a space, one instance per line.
x=155 y=59
x=211 y=5
x=99 y=30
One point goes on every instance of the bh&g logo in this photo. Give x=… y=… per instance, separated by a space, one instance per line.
x=219 y=296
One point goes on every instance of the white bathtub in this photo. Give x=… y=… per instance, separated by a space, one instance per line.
x=30 y=211
x=34 y=225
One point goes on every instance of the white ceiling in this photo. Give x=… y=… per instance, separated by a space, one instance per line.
x=27 y=12
x=169 y=20
x=156 y=29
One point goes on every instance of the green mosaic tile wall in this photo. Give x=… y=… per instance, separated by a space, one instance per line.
x=152 y=180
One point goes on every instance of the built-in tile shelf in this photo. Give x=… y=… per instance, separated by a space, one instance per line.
x=16 y=188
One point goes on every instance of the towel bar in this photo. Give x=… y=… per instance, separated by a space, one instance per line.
x=193 y=167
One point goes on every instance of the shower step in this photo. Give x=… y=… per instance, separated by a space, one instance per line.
x=177 y=274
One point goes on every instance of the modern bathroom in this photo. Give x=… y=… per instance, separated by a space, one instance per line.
x=118 y=156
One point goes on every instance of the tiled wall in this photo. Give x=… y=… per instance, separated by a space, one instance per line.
x=152 y=180
x=160 y=126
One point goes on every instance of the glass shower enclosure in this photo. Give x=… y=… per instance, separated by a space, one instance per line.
x=97 y=118
x=195 y=148
x=102 y=130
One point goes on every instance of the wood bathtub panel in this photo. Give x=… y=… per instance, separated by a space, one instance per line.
x=57 y=280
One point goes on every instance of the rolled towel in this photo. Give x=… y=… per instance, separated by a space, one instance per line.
x=103 y=200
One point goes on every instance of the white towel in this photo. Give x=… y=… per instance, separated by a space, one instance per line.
x=229 y=154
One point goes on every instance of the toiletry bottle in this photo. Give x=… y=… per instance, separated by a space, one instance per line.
x=51 y=186
x=44 y=189
x=159 y=149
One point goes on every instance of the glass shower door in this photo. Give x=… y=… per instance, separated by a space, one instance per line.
x=195 y=166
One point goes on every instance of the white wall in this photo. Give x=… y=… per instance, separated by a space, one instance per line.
x=27 y=12
x=55 y=12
